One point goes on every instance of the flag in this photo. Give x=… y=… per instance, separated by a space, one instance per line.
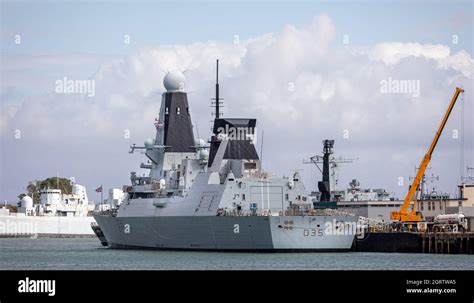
x=99 y=189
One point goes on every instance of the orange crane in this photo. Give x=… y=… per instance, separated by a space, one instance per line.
x=404 y=215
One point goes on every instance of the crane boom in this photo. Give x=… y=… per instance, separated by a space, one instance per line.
x=403 y=215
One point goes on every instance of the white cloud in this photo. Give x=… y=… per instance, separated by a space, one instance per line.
x=461 y=61
x=335 y=90
x=392 y=53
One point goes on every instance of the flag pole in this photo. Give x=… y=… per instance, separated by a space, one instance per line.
x=101 y=194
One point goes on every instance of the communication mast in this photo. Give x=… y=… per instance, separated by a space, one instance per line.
x=329 y=170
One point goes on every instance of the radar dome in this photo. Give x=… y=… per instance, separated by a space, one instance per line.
x=77 y=189
x=200 y=143
x=203 y=155
x=149 y=143
x=174 y=81
x=26 y=202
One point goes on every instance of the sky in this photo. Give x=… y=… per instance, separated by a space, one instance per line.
x=307 y=70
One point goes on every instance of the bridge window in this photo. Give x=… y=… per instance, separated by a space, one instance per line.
x=178 y=110
x=142 y=195
x=250 y=165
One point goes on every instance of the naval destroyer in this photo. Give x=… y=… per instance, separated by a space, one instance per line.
x=215 y=195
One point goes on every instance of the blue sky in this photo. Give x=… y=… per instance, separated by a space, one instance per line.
x=99 y=26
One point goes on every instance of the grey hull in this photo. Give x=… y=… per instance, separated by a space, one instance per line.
x=225 y=233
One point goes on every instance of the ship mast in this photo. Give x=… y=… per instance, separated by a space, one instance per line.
x=217 y=101
x=329 y=165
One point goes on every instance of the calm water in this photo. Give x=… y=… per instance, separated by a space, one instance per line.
x=79 y=254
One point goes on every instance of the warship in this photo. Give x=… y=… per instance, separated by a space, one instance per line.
x=215 y=195
x=56 y=215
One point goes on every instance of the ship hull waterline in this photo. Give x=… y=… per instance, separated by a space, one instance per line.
x=229 y=233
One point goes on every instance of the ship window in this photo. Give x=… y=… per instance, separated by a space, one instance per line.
x=287 y=197
x=164 y=174
x=138 y=195
x=243 y=197
x=178 y=110
x=250 y=165
x=167 y=111
x=421 y=205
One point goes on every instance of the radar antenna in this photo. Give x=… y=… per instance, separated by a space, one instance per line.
x=217 y=100
x=330 y=164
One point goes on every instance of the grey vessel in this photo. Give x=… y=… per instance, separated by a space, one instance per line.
x=215 y=195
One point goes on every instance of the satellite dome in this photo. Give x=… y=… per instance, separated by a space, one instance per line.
x=78 y=189
x=149 y=143
x=174 y=81
x=200 y=143
x=26 y=202
x=203 y=155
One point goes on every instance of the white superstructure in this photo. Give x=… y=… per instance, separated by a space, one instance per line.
x=56 y=214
